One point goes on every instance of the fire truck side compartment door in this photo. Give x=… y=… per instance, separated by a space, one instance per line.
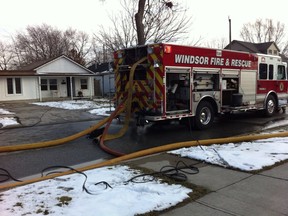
x=248 y=86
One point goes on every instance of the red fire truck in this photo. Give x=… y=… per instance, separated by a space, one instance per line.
x=176 y=82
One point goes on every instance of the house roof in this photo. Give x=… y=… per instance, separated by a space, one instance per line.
x=35 y=65
x=17 y=73
x=31 y=69
x=251 y=47
x=101 y=67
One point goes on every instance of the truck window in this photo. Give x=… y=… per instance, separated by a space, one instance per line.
x=263 y=71
x=271 y=71
x=281 y=75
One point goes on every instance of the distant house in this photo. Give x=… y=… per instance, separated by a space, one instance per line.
x=265 y=48
x=60 y=77
x=104 y=77
x=269 y=48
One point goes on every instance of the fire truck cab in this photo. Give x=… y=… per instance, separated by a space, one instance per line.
x=176 y=82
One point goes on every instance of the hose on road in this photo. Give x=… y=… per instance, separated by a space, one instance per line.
x=152 y=151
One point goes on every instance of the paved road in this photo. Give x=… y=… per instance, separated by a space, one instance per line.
x=42 y=123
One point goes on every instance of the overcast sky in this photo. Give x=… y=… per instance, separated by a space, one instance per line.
x=210 y=17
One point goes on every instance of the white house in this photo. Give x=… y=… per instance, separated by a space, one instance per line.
x=60 y=77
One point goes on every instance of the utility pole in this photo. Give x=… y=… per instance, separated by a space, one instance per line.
x=229 y=32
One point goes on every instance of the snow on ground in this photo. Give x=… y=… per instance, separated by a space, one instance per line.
x=64 y=195
x=5 y=112
x=97 y=107
x=6 y=121
x=279 y=123
x=100 y=107
x=245 y=156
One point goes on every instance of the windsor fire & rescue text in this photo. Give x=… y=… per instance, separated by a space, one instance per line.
x=205 y=60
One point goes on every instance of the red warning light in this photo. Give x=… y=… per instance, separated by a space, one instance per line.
x=167 y=49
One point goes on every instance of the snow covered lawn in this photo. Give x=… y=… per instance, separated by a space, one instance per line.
x=245 y=156
x=64 y=195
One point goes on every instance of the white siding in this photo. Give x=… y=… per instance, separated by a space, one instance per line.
x=61 y=65
x=86 y=92
x=29 y=89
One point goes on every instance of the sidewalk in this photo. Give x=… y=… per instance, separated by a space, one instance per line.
x=231 y=192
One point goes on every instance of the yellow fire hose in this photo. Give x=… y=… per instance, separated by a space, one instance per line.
x=151 y=151
x=123 y=130
x=52 y=142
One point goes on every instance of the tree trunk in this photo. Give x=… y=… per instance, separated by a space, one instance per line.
x=139 y=22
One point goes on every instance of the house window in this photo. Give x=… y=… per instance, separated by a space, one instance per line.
x=53 y=84
x=48 y=84
x=275 y=52
x=263 y=71
x=10 y=85
x=44 y=84
x=14 y=86
x=84 y=83
x=269 y=51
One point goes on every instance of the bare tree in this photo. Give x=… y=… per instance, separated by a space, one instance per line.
x=6 y=56
x=120 y=35
x=285 y=49
x=44 y=42
x=263 y=31
x=217 y=43
x=145 y=22
x=139 y=16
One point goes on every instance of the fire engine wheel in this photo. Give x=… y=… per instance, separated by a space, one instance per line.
x=270 y=107
x=204 y=116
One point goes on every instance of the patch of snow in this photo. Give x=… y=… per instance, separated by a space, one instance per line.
x=97 y=107
x=7 y=121
x=125 y=199
x=245 y=156
x=5 y=112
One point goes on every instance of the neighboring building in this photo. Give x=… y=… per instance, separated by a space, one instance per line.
x=269 y=48
x=104 y=78
x=59 y=77
x=264 y=48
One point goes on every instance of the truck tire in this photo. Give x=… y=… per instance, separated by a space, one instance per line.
x=270 y=106
x=204 y=116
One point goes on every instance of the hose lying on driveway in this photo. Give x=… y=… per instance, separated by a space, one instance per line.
x=49 y=143
x=151 y=151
